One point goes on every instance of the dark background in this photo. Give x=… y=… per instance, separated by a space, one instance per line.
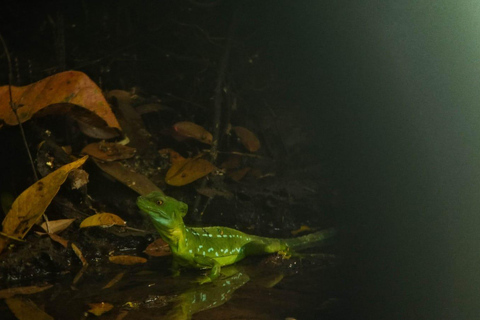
x=389 y=90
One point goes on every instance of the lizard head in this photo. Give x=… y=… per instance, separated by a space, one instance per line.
x=166 y=213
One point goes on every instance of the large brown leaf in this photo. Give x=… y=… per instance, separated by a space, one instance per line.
x=70 y=87
x=188 y=170
x=32 y=203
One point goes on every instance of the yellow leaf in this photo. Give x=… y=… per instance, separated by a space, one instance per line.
x=126 y=260
x=247 y=138
x=70 y=87
x=102 y=220
x=191 y=130
x=99 y=308
x=187 y=171
x=25 y=309
x=31 y=204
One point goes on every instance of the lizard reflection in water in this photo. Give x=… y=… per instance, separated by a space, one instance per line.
x=213 y=247
x=200 y=298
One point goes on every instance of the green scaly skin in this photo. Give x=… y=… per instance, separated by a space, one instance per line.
x=212 y=247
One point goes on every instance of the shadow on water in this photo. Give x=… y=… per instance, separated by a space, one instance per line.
x=258 y=288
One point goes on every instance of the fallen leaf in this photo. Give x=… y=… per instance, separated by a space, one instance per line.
x=71 y=87
x=115 y=279
x=233 y=162
x=56 y=226
x=102 y=220
x=158 y=248
x=302 y=228
x=188 y=129
x=99 y=308
x=126 y=260
x=108 y=151
x=31 y=204
x=26 y=309
x=134 y=180
x=247 y=138
x=78 y=178
x=79 y=254
x=10 y=292
x=187 y=171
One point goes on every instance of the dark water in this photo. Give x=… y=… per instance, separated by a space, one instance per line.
x=256 y=289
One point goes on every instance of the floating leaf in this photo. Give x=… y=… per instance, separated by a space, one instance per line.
x=302 y=229
x=135 y=181
x=99 y=308
x=108 y=151
x=71 y=87
x=187 y=171
x=247 y=138
x=56 y=226
x=31 y=204
x=188 y=129
x=158 y=248
x=26 y=309
x=126 y=260
x=102 y=220
x=10 y=292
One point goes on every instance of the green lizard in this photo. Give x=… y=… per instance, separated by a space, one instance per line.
x=212 y=247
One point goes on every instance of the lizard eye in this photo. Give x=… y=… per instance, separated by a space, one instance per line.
x=159 y=202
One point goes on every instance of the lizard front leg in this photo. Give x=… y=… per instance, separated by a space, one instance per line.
x=208 y=263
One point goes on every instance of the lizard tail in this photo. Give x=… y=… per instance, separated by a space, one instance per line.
x=310 y=240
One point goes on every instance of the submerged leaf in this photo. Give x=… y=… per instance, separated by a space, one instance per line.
x=302 y=229
x=10 y=292
x=31 y=204
x=108 y=151
x=102 y=220
x=26 y=309
x=188 y=129
x=71 y=87
x=126 y=260
x=79 y=254
x=188 y=170
x=247 y=138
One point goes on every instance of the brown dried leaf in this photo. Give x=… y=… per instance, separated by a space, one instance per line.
x=188 y=129
x=57 y=238
x=135 y=181
x=158 y=248
x=56 y=226
x=108 y=151
x=26 y=309
x=187 y=171
x=99 y=308
x=78 y=178
x=213 y=192
x=126 y=260
x=10 y=292
x=31 y=204
x=102 y=220
x=247 y=138
x=79 y=254
x=71 y=87
x=115 y=279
